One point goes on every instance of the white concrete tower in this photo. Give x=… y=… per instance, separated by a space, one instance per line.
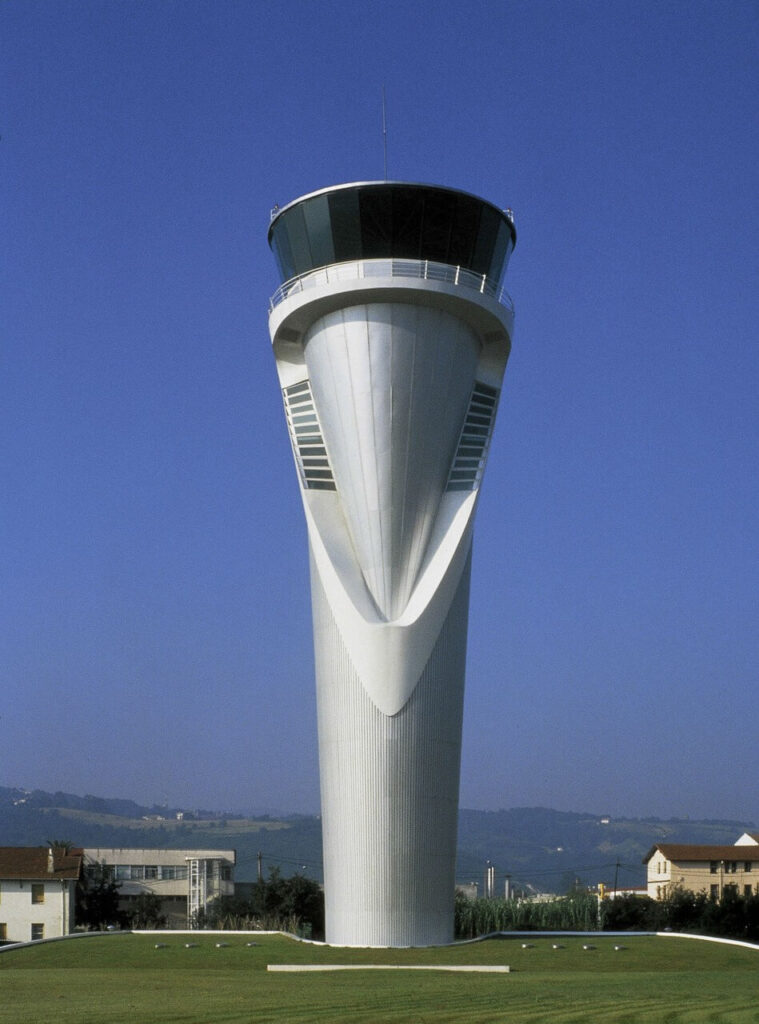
x=391 y=336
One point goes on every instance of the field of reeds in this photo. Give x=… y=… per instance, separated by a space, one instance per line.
x=483 y=917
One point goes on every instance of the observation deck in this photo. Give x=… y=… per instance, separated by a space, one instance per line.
x=390 y=220
x=365 y=270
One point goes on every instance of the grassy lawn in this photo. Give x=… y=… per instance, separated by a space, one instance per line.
x=124 y=978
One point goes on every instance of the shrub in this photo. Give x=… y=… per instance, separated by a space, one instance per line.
x=293 y=904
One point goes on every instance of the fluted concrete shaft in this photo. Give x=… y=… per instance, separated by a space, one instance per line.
x=390 y=788
x=390 y=375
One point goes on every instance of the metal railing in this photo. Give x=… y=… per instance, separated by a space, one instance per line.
x=425 y=270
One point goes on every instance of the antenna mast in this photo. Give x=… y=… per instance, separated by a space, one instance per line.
x=384 y=130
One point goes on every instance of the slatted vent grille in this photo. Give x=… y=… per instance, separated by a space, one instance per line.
x=306 y=437
x=472 y=452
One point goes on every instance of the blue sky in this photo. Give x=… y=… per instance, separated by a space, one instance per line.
x=155 y=635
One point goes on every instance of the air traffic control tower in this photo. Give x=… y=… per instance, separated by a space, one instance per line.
x=391 y=335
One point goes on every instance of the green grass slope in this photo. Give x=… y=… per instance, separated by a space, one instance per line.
x=121 y=979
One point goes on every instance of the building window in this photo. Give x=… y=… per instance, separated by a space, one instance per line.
x=38 y=892
x=173 y=872
x=151 y=871
x=747 y=865
x=132 y=872
x=731 y=866
x=713 y=866
x=714 y=892
x=38 y=932
x=3 y=931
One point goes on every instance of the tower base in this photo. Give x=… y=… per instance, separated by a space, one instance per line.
x=389 y=786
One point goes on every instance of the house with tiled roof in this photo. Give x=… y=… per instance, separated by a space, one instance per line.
x=715 y=870
x=37 y=892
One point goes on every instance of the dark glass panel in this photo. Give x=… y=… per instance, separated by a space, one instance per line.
x=464 y=222
x=281 y=246
x=298 y=238
x=500 y=252
x=436 y=227
x=319 y=228
x=375 y=205
x=486 y=239
x=346 y=225
x=408 y=207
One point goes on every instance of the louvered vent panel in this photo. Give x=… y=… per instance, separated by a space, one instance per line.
x=306 y=437
x=471 y=454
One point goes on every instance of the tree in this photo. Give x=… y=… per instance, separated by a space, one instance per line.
x=633 y=913
x=303 y=898
x=97 y=899
x=146 y=912
x=293 y=904
x=64 y=845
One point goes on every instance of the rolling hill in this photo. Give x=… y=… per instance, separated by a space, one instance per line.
x=542 y=849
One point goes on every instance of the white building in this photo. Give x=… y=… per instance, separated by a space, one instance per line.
x=391 y=335
x=37 y=892
x=184 y=880
x=713 y=869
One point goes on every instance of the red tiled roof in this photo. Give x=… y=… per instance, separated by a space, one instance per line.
x=695 y=852
x=31 y=862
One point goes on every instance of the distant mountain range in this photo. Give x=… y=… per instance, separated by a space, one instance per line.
x=541 y=849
